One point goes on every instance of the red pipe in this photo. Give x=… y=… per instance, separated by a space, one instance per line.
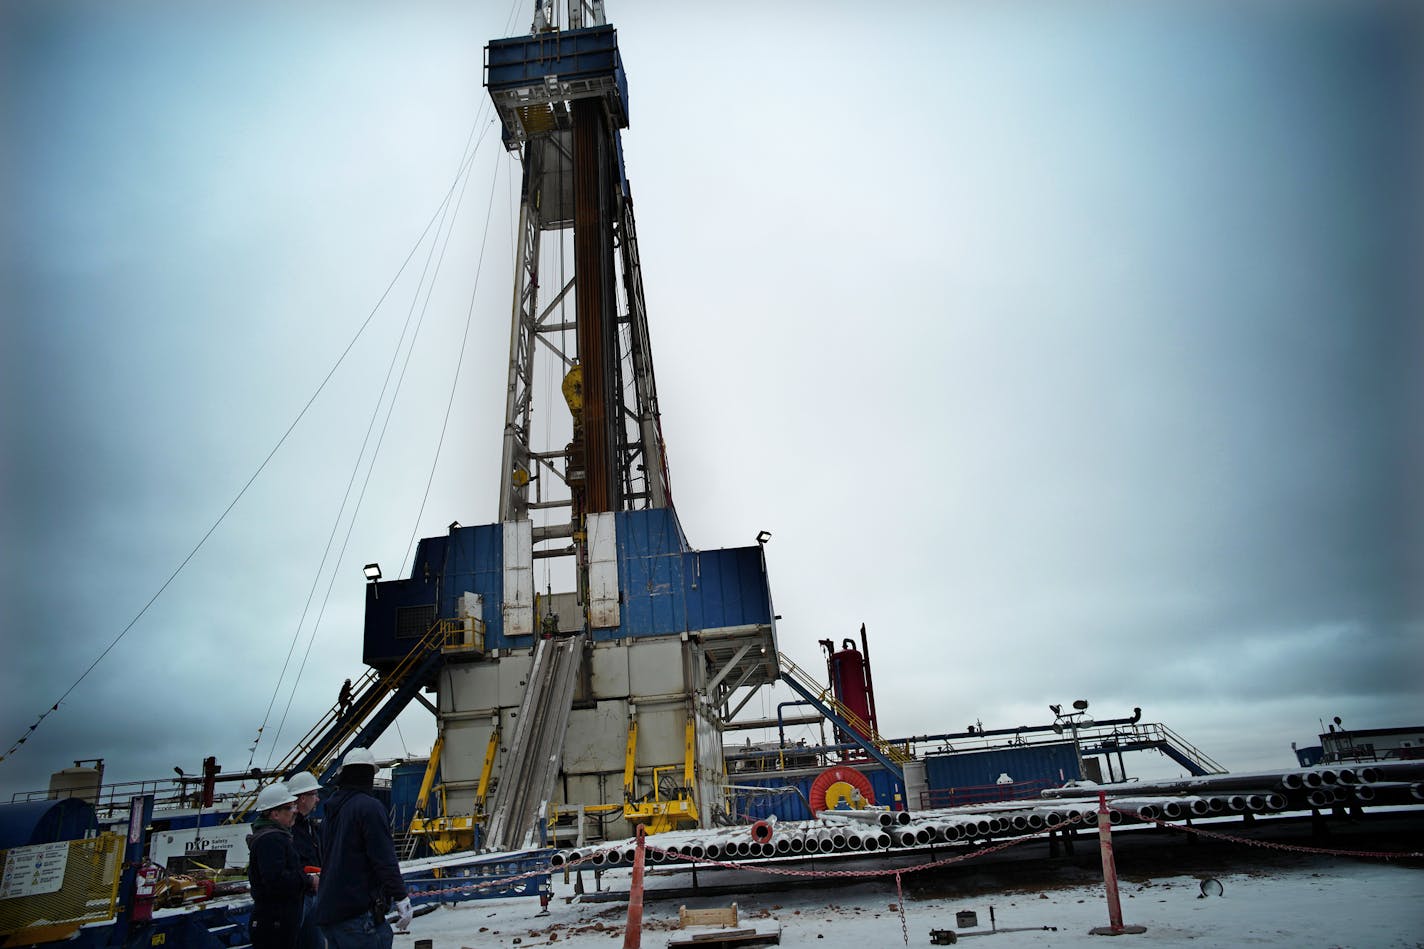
x=633 y=934
x=1115 y=926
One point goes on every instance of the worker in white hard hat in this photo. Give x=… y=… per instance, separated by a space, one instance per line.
x=306 y=832
x=275 y=872
x=360 y=874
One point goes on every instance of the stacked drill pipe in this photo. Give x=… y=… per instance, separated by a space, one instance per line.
x=870 y=831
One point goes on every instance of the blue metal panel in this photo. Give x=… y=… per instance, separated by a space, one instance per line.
x=651 y=548
x=785 y=806
x=1051 y=763
x=572 y=55
x=45 y=822
x=406 y=779
x=475 y=564
x=792 y=805
x=482 y=877
x=385 y=600
x=727 y=588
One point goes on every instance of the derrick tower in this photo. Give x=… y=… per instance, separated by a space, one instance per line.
x=584 y=709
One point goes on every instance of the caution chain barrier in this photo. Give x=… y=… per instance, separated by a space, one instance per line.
x=1272 y=845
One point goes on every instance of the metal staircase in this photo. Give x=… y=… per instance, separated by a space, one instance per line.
x=376 y=702
x=892 y=756
x=1149 y=736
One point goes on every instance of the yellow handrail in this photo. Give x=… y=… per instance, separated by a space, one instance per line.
x=895 y=753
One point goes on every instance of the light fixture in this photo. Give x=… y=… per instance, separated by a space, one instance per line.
x=1080 y=704
x=762 y=537
x=178 y=771
x=454 y=525
x=1056 y=709
x=373 y=572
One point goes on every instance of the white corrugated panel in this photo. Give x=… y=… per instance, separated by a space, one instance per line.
x=602 y=571
x=518 y=605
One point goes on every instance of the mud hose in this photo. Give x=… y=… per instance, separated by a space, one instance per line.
x=902 y=817
x=761 y=832
x=1293 y=781
x=1417 y=790
x=1198 y=807
x=1312 y=779
x=826 y=844
x=1364 y=793
x=882 y=840
x=557 y=860
x=1329 y=776
x=1149 y=812
x=1036 y=822
x=1348 y=776
x=1237 y=802
x=783 y=846
x=1275 y=802
x=1368 y=775
x=1216 y=804
x=1320 y=798
x=1018 y=822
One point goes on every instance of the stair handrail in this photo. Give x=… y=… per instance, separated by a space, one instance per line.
x=895 y=753
x=324 y=737
x=1190 y=750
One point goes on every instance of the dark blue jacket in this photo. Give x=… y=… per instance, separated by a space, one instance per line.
x=306 y=837
x=359 y=870
x=277 y=882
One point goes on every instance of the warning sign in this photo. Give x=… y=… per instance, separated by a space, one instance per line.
x=33 y=870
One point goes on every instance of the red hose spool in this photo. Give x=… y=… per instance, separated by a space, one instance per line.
x=835 y=784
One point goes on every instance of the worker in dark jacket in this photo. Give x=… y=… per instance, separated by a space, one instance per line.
x=275 y=872
x=305 y=837
x=360 y=874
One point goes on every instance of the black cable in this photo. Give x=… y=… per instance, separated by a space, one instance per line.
x=462 y=178
x=227 y=510
x=459 y=364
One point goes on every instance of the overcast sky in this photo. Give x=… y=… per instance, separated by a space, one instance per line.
x=1073 y=348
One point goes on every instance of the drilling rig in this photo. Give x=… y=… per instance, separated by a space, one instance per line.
x=588 y=709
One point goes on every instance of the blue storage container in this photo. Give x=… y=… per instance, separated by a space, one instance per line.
x=971 y=777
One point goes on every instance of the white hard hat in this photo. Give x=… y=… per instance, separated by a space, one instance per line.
x=359 y=756
x=273 y=795
x=302 y=782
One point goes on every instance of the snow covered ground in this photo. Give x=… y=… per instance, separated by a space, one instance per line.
x=1318 y=903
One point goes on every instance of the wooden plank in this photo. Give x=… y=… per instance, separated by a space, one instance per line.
x=716 y=916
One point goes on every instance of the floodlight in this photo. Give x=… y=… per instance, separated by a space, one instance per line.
x=1080 y=704
x=762 y=537
x=373 y=572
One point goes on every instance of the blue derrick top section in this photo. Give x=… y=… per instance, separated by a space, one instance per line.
x=525 y=73
x=666 y=588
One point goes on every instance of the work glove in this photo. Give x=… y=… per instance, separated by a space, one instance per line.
x=405 y=913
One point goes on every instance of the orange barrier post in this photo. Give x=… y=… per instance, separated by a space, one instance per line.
x=633 y=934
x=1115 y=926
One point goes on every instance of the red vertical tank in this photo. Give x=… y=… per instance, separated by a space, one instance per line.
x=848 y=670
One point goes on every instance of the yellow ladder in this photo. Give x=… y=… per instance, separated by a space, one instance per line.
x=325 y=738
